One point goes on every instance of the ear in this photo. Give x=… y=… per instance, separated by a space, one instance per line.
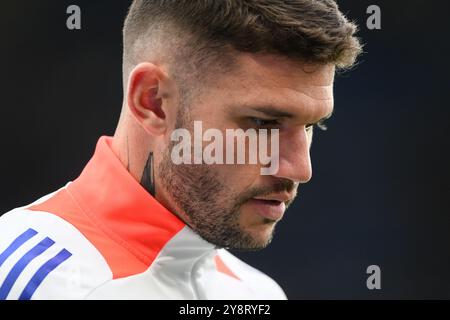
x=144 y=97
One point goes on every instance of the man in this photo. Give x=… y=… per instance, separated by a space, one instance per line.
x=137 y=225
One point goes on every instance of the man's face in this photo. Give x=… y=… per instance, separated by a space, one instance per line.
x=233 y=205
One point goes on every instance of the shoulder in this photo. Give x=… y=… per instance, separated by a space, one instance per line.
x=42 y=256
x=258 y=282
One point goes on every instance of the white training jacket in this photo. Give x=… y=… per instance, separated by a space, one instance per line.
x=103 y=236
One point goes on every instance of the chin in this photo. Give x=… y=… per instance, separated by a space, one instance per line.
x=257 y=237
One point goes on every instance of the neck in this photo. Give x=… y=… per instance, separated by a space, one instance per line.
x=131 y=145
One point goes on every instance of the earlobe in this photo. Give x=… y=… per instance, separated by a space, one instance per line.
x=144 y=100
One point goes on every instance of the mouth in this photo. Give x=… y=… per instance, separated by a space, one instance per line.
x=268 y=208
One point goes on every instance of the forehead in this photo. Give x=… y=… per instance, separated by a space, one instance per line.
x=277 y=71
x=274 y=80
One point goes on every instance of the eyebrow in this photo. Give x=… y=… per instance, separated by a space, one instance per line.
x=273 y=112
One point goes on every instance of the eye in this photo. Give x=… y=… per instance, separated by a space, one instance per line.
x=321 y=125
x=264 y=123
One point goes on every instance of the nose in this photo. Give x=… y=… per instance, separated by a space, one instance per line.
x=295 y=160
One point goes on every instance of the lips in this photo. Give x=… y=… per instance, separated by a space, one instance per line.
x=268 y=208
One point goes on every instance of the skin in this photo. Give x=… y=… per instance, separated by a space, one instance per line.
x=214 y=200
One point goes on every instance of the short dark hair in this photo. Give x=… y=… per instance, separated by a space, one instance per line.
x=306 y=30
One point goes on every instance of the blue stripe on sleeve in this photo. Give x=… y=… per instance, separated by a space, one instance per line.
x=15 y=272
x=16 y=244
x=43 y=272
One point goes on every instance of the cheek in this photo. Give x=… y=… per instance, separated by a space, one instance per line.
x=239 y=178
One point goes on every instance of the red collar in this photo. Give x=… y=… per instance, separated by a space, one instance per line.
x=117 y=203
x=118 y=216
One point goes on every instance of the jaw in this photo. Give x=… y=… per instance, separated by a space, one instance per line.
x=256 y=229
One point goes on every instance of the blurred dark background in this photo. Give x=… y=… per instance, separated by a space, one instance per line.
x=380 y=193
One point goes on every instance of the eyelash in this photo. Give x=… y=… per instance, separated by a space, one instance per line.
x=273 y=123
x=267 y=122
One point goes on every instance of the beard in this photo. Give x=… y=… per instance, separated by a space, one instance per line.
x=209 y=206
x=211 y=209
